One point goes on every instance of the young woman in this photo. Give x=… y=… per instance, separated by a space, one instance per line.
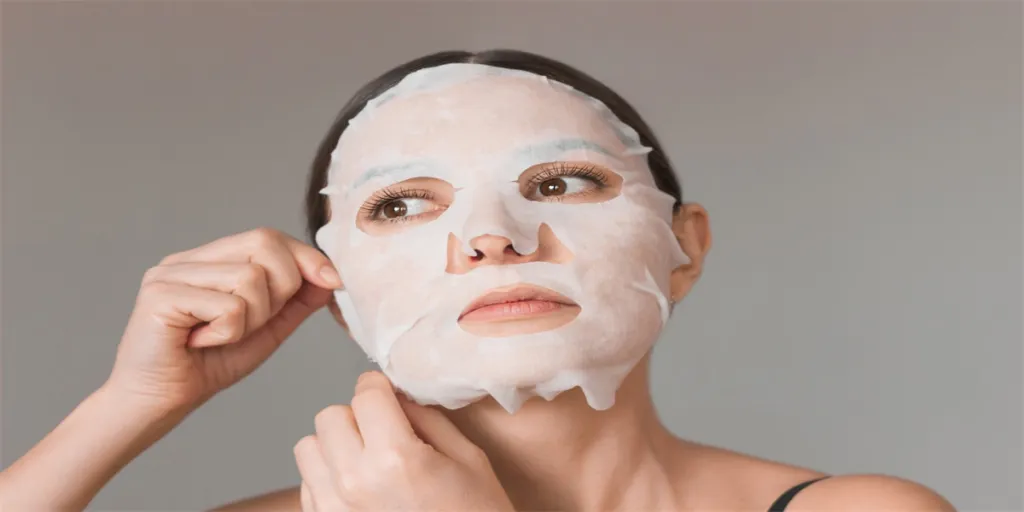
x=591 y=207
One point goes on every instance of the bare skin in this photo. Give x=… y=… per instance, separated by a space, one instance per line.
x=203 y=320
x=206 y=318
x=631 y=461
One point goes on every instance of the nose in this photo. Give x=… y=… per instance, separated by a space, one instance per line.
x=494 y=249
x=498 y=250
x=488 y=250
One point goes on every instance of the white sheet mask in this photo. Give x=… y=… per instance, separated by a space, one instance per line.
x=476 y=129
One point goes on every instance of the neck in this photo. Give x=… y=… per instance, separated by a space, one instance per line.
x=565 y=455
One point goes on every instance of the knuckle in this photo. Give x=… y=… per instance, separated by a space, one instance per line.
x=252 y=274
x=235 y=307
x=152 y=274
x=265 y=237
x=153 y=289
x=170 y=259
x=372 y=380
x=371 y=377
x=304 y=446
x=330 y=413
x=406 y=455
x=478 y=457
x=369 y=397
x=393 y=459
x=383 y=468
x=352 y=484
x=291 y=283
x=390 y=463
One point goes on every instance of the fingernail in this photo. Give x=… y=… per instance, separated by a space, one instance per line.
x=330 y=275
x=222 y=332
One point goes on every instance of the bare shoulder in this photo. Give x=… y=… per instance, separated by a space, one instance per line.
x=283 y=500
x=716 y=478
x=869 y=492
x=733 y=480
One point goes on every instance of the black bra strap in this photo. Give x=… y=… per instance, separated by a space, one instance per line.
x=781 y=503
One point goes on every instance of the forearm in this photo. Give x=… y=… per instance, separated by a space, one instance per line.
x=74 y=461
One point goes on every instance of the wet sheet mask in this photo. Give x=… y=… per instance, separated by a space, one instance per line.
x=465 y=178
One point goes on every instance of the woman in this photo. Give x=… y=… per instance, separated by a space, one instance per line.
x=207 y=317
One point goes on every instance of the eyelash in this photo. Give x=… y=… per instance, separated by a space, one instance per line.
x=558 y=170
x=373 y=207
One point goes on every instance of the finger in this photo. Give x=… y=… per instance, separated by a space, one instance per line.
x=338 y=435
x=247 y=280
x=314 y=266
x=183 y=307
x=379 y=416
x=287 y=260
x=264 y=247
x=308 y=300
x=268 y=338
x=433 y=427
x=306 y=499
x=316 y=475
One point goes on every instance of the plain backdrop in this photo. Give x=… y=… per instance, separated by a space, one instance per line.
x=861 y=162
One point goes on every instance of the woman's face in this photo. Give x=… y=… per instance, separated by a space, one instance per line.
x=499 y=236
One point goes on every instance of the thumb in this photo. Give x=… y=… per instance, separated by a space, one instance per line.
x=434 y=428
x=308 y=300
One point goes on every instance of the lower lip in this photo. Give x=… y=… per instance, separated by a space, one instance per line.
x=512 y=310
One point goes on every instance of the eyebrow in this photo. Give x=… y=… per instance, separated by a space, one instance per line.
x=386 y=170
x=550 y=150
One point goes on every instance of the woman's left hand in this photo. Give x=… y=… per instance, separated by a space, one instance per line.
x=387 y=453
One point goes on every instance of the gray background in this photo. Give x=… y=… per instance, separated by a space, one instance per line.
x=861 y=309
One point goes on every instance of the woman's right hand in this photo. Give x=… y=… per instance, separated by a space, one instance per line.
x=204 y=319
x=207 y=317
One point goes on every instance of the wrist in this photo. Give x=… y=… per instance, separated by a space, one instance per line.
x=139 y=409
x=131 y=424
x=74 y=461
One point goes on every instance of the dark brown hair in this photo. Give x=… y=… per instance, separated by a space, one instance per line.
x=661 y=169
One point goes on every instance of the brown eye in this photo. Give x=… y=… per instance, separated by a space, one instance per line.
x=405 y=204
x=553 y=187
x=569 y=182
x=394 y=209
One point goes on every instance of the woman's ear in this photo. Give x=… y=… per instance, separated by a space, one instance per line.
x=693 y=232
x=332 y=306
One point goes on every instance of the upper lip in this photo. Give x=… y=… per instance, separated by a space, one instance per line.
x=516 y=293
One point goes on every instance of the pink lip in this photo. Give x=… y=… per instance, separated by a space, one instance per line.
x=515 y=303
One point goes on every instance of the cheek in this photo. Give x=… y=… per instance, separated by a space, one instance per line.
x=615 y=231
x=616 y=245
x=376 y=268
x=372 y=270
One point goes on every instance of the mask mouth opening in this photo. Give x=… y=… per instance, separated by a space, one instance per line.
x=516 y=294
x=517 y=309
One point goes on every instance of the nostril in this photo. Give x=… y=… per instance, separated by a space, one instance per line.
x=478 y=256
x=511 y=250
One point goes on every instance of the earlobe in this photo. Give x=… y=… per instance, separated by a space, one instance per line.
x=692 y=231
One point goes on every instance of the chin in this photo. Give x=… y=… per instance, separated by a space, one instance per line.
x=514 y=369
x=599 y=386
